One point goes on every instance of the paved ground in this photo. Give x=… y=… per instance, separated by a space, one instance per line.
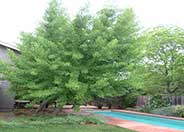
x=140 y=127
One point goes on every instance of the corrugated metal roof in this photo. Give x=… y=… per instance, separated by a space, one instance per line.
x=10 y=46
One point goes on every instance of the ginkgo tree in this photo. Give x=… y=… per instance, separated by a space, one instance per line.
x=71 y=61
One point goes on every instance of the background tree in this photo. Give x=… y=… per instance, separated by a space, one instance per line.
x=162 y=61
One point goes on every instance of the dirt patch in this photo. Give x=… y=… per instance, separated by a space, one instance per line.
x=7 y=115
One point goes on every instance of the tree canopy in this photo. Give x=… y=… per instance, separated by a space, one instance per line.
x=162 y=60
x=71 y=61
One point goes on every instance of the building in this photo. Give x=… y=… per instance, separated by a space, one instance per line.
x=6 y=100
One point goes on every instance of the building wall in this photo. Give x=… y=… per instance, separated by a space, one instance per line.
x=6 y=99
x=3 y=53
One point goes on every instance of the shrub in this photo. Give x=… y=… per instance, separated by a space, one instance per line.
x=29 y=106
x=130 y=100
x=94 y=120
x=158 y=101
x=76 y=120
x=145 y=108
x=180 y=111
x=170 y=111
x=155 y=102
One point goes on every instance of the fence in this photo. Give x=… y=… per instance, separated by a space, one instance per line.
x=175 y=100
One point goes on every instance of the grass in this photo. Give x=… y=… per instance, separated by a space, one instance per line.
x=64 y=128
x=58 y=124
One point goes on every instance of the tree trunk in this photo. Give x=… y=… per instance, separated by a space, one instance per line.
x=43 y=105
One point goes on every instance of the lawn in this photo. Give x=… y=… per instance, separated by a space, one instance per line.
x=64 y=128
x=58 y=124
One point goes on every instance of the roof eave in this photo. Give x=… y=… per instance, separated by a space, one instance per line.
x=9 y=46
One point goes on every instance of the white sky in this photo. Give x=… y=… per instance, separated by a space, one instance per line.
x=24 y=15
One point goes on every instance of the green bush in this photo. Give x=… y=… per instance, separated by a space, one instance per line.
x=130 y=100
x=158 y=101
x=146 y=108
x=170 y=111
x=94 y=120
x=180 y=111
x=155 y=102
x=29 y=106
x=76 y=120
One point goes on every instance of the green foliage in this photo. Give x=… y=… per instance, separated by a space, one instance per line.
x=76 y=120
x=108 y=102
x=72 y=61
x=155 y=102
x=170 y=111
x=65 y=128
x=167 y=111
x=43 y=120
x=94 y=120
x=130 y=99
x=180 y=111
x=162 y=61
x=29 y=106
x=145 y=108
x=58 y=124
x=158 y=101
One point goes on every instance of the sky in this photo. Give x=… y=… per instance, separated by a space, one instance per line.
x=25 y=15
